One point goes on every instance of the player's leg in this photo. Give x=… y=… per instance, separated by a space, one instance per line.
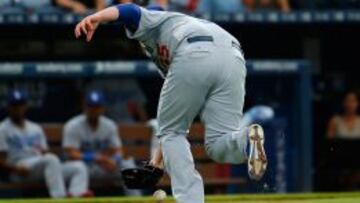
x=226 y=136
x=225 y=141
x=182 y=96
x=47 y=166
x=77 y=176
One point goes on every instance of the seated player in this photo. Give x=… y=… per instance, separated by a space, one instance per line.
x=94 y=138
x=346 y=125
x=81 y=6
x=268 y=5
x=23 y=151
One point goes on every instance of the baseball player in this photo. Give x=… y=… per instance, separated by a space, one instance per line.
x=23 y=150
x=204 y=71
x=93 y=138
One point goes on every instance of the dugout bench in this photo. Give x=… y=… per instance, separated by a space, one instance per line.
x=136 y=140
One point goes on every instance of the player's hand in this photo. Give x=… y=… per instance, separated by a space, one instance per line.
x=22 y=171
x=109 y=165
x=106 y=162
x=87 y=27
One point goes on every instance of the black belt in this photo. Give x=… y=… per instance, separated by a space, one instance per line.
x=200 y=38
x=205 y=38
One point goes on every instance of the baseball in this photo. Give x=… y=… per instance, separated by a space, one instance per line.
x=159 y=195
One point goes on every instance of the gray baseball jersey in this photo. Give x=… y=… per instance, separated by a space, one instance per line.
x=77 y=134
x=21 y=143
x=161 y=33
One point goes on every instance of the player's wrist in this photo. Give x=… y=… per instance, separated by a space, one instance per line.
x=89 y=157
x=98 y=17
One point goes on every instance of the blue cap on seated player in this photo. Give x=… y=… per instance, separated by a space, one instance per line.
x=95 y=98
x=17 y=97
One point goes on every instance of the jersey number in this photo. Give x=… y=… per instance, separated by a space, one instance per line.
x=164 y=55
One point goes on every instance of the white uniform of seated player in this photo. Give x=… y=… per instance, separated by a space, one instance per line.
x=204 y=71
x=94 y=138
x=24 y=149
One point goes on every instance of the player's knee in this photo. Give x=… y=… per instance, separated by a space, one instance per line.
x=214 y=154
x=225 y=155
x=51 y=159
x=79 y=167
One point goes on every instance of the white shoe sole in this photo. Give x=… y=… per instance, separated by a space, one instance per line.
x=257 y=161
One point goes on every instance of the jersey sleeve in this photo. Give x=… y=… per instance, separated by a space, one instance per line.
x=115 y=141
x=70 y=137
x=3 y=144
x=129 y=15
x=139 y=21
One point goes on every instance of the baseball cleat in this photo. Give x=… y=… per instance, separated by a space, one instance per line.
x=257 y=161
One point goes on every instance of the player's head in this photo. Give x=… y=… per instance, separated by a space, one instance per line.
x=351 y=103
x=17 y=101
x=94 y=104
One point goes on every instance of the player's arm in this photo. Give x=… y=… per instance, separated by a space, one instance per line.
x=73 y=153
x=3 y=163
x=331 y=129
x=157 y=159
x=3 y=157
x=91 y=157
x=129 y=14
x=72 y=143
x=15 y=169
x=113 y=155
x=113 y=152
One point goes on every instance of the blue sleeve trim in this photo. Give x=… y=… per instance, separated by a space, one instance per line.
x=88 y=156
x=130 y=15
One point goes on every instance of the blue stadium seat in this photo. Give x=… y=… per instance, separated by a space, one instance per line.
x=49 y=9
x=11 y=9
x=34 y=4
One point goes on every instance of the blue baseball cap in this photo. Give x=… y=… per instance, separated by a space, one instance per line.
x=16 y=97
x=95 y=98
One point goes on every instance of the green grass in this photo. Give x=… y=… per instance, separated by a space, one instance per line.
x=353 y=197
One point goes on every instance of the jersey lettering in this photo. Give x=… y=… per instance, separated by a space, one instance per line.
x=164 y=55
